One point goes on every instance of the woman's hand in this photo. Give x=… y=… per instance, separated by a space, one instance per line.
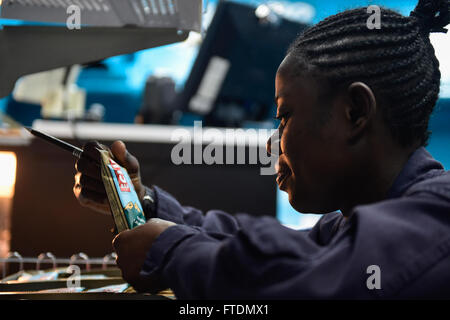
x=132 y=247
x=89 y=188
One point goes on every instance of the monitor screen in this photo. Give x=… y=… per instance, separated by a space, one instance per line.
x=232 y=79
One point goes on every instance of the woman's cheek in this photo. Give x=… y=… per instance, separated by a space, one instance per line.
x=283 y=140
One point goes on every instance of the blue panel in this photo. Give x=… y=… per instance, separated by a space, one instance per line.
x=439 y=145
x=3 y=103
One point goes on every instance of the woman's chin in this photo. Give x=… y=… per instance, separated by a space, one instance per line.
x=302 y=205
x=298 y=200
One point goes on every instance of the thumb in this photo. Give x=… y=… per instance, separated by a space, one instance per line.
x=124 y=158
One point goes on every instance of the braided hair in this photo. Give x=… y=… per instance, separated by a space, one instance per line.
x=397 y=61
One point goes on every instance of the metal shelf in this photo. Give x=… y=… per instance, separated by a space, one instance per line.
x=179 y=14
x=116 y=27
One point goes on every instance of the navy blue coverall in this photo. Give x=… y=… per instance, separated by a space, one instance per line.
x=406 y=236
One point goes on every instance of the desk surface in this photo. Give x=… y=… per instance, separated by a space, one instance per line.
x=151 y=133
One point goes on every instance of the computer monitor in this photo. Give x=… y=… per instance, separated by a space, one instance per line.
x=232 y=79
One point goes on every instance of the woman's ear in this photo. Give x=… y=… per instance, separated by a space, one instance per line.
x=360 y=110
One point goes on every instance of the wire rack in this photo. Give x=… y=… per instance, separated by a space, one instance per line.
x=81 y=258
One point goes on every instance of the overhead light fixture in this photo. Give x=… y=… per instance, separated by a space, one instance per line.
x=295 y=11
x=107 y=28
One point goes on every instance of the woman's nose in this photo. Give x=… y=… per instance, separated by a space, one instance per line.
x=273 y=144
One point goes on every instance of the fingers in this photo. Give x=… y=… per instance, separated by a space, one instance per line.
x=124 y=158
x=119 y=240
x=90 y=151
x=87 y=197
x=127 y=260
x=92 y=201
x=129 y=162
x=89 y=188
x=88 y=168
x=86 y=182
x=117 y=244
x=89 y=163
x=91 y=194
x=131 y=247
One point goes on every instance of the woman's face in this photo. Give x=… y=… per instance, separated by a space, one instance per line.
x=311 y=168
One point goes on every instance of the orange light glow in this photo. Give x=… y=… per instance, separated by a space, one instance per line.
x=8 y=167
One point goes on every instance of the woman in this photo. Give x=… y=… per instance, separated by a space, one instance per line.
x=354 y=105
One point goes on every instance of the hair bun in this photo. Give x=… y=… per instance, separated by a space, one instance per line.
x=432 y=15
